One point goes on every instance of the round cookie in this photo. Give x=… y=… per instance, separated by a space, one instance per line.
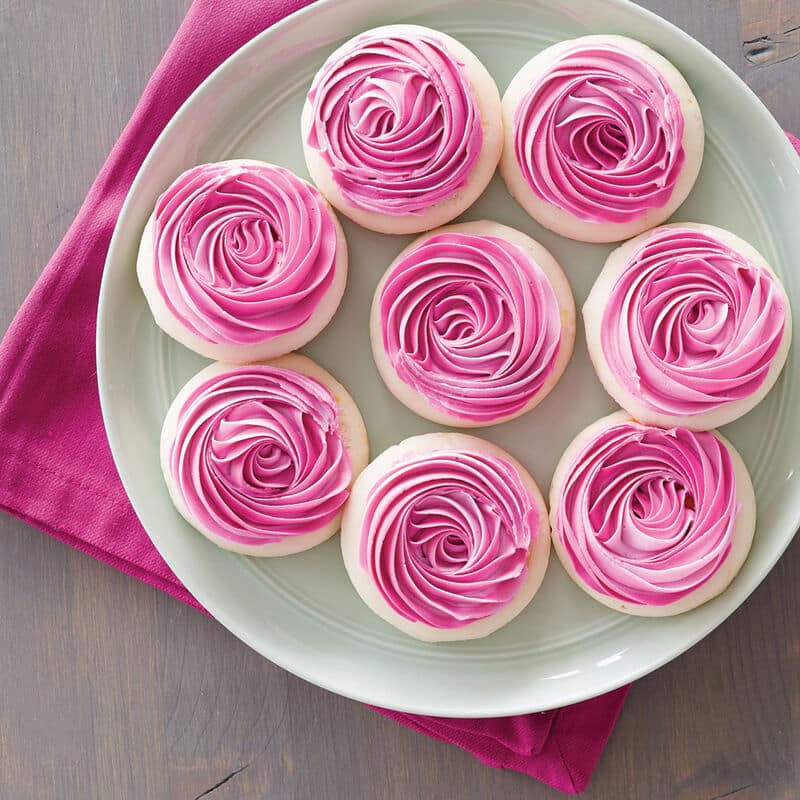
x=687 y=325
x=603 y=138
x=242 y=261
x=260 y=458
x=472 y=324
x=446 y=537
x=402 y=128
x=648 y=521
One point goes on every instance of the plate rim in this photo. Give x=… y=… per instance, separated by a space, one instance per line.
x=208 y=598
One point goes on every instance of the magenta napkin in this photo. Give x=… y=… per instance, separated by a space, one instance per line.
x=56 y=470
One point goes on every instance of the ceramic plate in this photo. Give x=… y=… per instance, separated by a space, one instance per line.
x=301 y=611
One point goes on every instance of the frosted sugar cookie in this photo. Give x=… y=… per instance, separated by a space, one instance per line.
x=603 y=138
x=651 y=521
x=687 y=325
x=260 y=458
x=472 y=324
x=242 y=261
x=402 y=128
x=446 y=537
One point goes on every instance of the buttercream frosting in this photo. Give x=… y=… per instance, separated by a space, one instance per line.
x=257 y=455
x=396 y=121
x=446 y=536
x=691 y=324
x=243 y=251
x=646 y=515
x=472 y=323
x=599 y=135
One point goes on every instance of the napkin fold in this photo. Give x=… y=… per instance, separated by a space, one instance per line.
x=56 y=470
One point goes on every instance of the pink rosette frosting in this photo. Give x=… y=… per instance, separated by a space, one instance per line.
x=600 y=135
x=257 y=455
x=243 y=252
x=472 y=323
x=395 y=120
x=646 y=515
x=691 y=324
x=446 y=536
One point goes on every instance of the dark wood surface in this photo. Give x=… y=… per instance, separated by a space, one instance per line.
x=111 y=689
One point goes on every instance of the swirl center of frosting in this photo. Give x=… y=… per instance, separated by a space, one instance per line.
x=246 y=450
x=446 y=536
x=441 y=530
x=599 y=135
x=395 y=120
x=472 y=323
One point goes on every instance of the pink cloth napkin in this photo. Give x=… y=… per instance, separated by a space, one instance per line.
x=56 y=471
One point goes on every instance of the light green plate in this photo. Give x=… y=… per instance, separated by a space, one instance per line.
x=301 y=611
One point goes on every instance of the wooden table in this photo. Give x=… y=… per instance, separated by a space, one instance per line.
x=111 y=689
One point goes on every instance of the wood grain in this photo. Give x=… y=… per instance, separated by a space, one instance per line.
x=113 y=690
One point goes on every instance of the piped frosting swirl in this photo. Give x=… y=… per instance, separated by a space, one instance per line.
x=257 y=455
x=691 y=324
x=599 y=135
x=446 y=536
x=646 y=515
x=243 y=251
x=472 y=323
x=395 y=119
